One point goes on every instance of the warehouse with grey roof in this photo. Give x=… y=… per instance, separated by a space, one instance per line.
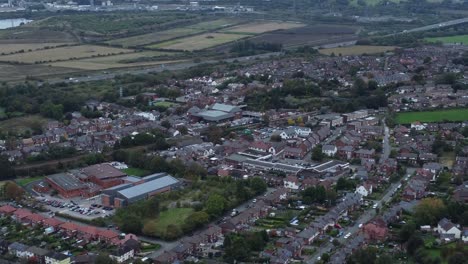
x=128 y=193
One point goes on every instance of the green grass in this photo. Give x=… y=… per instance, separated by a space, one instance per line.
x=164 y=104
x=2 y=113
x=449 y=40
x=25 y=181
x=136 y=172
x=459 y=114
x=173 y=216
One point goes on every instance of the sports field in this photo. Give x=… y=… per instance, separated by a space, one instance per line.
x=451 y=39
x=433 y=116
x=198 y=42
x=356 y=50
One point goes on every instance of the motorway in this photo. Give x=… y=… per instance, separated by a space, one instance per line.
x=438 y=25
x=163 y=67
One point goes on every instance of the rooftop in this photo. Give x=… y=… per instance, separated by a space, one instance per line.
x=148 y=187
x=66 y=181
x=103 y=171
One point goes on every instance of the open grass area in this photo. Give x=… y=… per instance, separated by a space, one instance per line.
x=178 y=32
x=16 y=72
x=115 y=61
x=259 y=27
x=10 y=48
x=25 y=181
x=63 y=53
x=459 y=114
x=463 y=39
x=199 y=42
x=164 y=104
x=136 y=172
x=356 y=50
x=20 y=124
x=173 y=216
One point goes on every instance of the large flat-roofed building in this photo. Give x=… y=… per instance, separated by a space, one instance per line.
x=66 y=184
x=128 y=193
x=218 y=112
x=103 y=174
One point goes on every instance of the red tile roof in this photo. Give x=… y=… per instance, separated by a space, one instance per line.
x=69 y=226
x=89 y=230
x=7 y=209
x=35 y=218
x=52 y=222
x=21 y=213
x=108 y=234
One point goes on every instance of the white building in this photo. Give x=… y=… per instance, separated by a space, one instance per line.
x=446 y=227
x=329 y=150
x=122 y=254
x=364 y=190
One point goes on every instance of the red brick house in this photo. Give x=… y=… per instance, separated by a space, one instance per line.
x=52 y=222
x=20 y=214
x=34 y=219
x=376 y=230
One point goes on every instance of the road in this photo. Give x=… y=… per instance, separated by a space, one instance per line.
x=386 y=148
x=438 y=25
x=364 y=218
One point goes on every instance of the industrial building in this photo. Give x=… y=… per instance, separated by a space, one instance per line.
x=66 y=184
x=216 y=113
x=128 y=193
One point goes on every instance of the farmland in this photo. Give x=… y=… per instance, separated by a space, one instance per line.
x=309 y=35
x=34 y=35
x=450 y=40
x=62 y=53
x=356 y=50
x=12 y=48
x=11 y=72
x=460 y=114
x=199 y=42
x=177 y=32
x=259 y=27
x=114 y=61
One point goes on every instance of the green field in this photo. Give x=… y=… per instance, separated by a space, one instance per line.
x=136 y=172
x=450 y=40
x=173 y=216
x=26 y=181
x=198 y=42
x=433 y=116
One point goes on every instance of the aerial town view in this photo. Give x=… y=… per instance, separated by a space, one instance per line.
x=221 y=131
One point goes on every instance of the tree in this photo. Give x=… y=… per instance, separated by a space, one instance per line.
x=258 y=185
x=6 y=169
x=132 y=224
x=214 y=134
x=183 y=130
x=172 y=232
x=215 y=205
x=150 y=228
x=12 y=191
x=165 y=123
x=317 y=154
x=104 y=259
x=153 y=207
x=196 y=220
x=457 y=258
x=236 y=249
x=429 y=211
x=414 y=242
x=407 y=231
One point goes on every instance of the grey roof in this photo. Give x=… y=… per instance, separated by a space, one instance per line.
x=56 y=255
x=16 y=246
x=214 y=115
x=66 y=181
x=38 y=251
x=147 y=187
x=225 y=108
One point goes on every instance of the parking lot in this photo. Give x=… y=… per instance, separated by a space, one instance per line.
x=84 y=208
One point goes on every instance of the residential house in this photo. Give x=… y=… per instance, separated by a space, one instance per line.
x=446 y=227
x=364 y=189
x=36 y=254
x=291 y=182
x=461 y=193
x=57 y=258
x=122 y=254
x=464 y=236
x=18 y=249
x=7 y=210
x=329 y=150
x=415 y=189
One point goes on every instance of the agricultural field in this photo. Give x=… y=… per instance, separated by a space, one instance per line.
x=463 y=39
x=164 y=35
x=198 y=42
x=63 y=53
x=34 y=35
x=11 y=72
x=12 y=48
x=460 y=114
x=114 y=61
x=309 y=35
x=356 y=50
x=259 y=27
